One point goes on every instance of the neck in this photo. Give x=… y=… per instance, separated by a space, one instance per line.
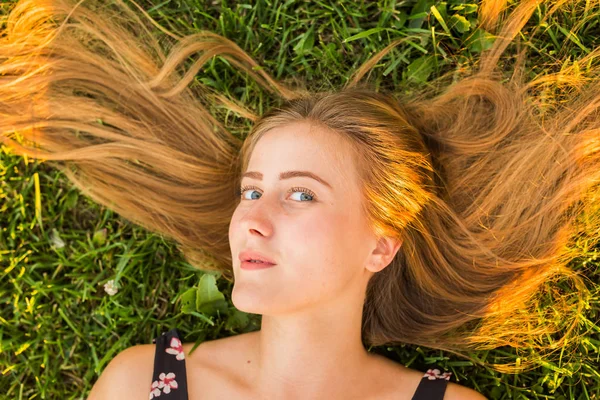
x=312 y=354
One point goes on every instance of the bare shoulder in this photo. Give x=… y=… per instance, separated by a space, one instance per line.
x=455 y=391
x=412 y=378
x=127 y=376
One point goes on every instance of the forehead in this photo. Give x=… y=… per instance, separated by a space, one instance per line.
x=302 y=146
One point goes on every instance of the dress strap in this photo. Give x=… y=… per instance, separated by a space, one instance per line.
x=432 y=385
x=169 y=379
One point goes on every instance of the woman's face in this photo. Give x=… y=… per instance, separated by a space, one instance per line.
x=321 y=244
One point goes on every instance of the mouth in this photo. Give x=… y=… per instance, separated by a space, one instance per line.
x=255 y=257
x=255 y=264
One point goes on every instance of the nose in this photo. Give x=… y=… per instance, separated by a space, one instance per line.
x=258 y=216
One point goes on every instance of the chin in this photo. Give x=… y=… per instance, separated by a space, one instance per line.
x=256 y=305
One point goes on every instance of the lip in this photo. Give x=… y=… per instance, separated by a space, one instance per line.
x=254 y=255
x=252 y=266
x=246 y=255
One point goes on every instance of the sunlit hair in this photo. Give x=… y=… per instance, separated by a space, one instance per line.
x=488 y=184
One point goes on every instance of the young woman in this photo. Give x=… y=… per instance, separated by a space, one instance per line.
x=344 y=217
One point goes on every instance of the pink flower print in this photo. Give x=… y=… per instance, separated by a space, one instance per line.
x=176 y=348
x=432 y=374
x=154 y=390
x=166 y=383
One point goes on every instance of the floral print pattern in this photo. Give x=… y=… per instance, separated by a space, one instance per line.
x=176 y=348
x=167 y=381
x=433 y=374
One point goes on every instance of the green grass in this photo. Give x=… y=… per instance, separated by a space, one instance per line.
x=59 y=328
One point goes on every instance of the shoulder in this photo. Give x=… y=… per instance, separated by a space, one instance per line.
x=455 y=391
x=413 y=377
x=127 y=376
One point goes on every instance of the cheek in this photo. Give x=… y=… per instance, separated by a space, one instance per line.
x=317 y=245
x=234 y=226
x=345 y=243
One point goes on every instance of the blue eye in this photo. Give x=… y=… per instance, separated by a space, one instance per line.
x=305 y=191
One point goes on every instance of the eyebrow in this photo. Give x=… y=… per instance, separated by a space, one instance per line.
x=288 y=175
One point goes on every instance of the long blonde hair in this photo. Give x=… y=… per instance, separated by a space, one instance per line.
x=488 y=185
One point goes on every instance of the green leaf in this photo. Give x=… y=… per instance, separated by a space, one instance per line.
x=460 y=23
x=420 y=69
x=306 y=43
x=188 y=301
x=71 y=199
x=237 y=320
x=363 y=34
x=214 y=308
x=99 y=237
x=419 y=12
x=208 y=81
x=440 y=18
x=209 y=300
x=468 y=8
x=208 y=290
x=480 y=40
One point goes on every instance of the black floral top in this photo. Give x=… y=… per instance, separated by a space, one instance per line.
x=169 y=381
